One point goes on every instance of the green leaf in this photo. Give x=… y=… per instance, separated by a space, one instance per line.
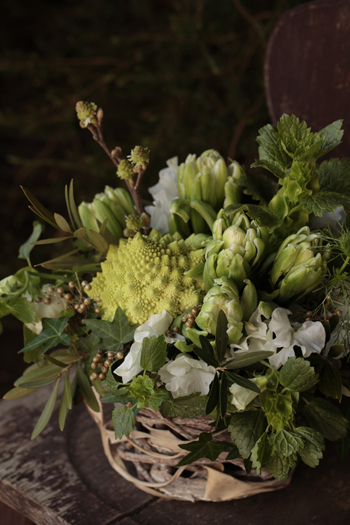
x=296 y=138
x=141 y=388
x=50 y=336
x=298 y=375
x=233 y=454
x=62 y=223
x=246 y=428
x=88 y=344
x=38 y=374
x=279 y=466
x=221 y=337
x=39 y=209
x=242 y=381
x=258 y=186
x=192 y=405
x=223 y=395
x=21 y=308
x=26 y=248
x=214 y=395
x=332 y=135
x=63 y=262
x=247 y=359
x=205 y=447
x=285 y=443
x=115 y=334
x=124 y=421
x=17 y=392
x=182 y=208
x=153 y=353
x=206 y=353
x=100 y=243
x=111 y=383
x=330 y=381
x=66 y=402
x=343 y=445
x=326 y=418
x=271 y=156
x=334 y=174
x=258 y=453
x=47 y=412
x=325 y=201
x=314 y=444
x=72 y=205
x=86 y=390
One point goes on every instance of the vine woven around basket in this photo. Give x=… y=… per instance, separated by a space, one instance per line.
x=149 y=455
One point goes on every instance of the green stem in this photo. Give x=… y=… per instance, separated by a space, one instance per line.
x=344 y=265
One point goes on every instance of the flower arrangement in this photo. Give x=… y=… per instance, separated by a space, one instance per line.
x=227 y=299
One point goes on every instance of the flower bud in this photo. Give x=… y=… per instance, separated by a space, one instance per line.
x=86 y=112
x=125 y=170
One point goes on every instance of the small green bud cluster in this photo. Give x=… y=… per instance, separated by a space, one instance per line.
x=86 y=112
x=139 y=157
x=125 y=170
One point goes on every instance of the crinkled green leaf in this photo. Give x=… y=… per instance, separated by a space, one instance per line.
x=297 y=139
x=326 y=418
x=279 y=466
x=258 y=453
x=115 y=334
x=123 y=420
x=50 y=335
x=205 y=447
x=325 y=201
x=314 y=444
x=258 y=186
x=153 y=353
x=332 y=135
x=285 y=442
x=297 y=375
x=192 y=405
x=271 y=156
x=246 y=428
x=334 y=174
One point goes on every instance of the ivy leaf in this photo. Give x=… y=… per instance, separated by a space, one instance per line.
x=271 y=156
x=325 y=201
x=205 y=447
x=153 y=353
x=88 y=345
x=123 y=420
x=26 y=248
x=246 y=428
x=326 y=418
x=314 y=444
x=113 y=334
x=50 y=335
x=192 y=405
x=297 y=375
x=285 y=443
x=332 y=135
x=334 y=174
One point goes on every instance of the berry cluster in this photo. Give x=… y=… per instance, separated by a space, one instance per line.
x=190 y=318
x=100 y=362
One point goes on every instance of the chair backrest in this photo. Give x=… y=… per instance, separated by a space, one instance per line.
x=307 y=66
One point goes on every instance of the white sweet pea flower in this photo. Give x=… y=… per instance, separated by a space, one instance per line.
x=163 y=193
x=156 y=325
x=186 y=375
x=241 y=397
x=51 y=310
x=309 y=336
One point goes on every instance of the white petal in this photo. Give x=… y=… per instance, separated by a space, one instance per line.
x=281 y=357
x=312 y=336
x=242 y=396
x=131 y=365
x=282 y=328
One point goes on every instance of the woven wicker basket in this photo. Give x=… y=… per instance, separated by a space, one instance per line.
x=148 y=457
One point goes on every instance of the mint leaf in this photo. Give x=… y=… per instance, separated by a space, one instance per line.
x=113 y=334
x=50 y=335
x=26 y=248
x=279 y=466
x=314 y=444
x=111 y=384
x=326 y=418
x=325 y=201
x=192 y=405
x=153 y=353
x=246 y=428
x=123 y=420
x=142 y=389
x=203 y=448
x=334 y=174
x=296 y=138
x=160 y=395
x=297 y=375
x=259 y=187
x=285 y=442
x=332 y=135
x=271 y=156
x=258 y=453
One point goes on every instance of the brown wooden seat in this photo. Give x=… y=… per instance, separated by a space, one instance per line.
x=307 y=66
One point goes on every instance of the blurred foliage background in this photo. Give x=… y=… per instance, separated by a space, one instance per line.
x=178 y=76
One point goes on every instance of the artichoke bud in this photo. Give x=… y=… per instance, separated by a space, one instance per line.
x=249 y=300
x=102 y=211
x=241 y=220
x=88 y=217
x=232 y=193
x=208 y=187
x=213 y=246
x=188 y=178
x=180 y=184
x=218 y=229
x=217 y=299
x=233 y=235
x=201 y=240
x=283 y=262
x=209 y=272
x=125 y=200
x=220 y=179
x=234 y=170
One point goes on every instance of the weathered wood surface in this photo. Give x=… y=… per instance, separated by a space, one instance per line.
x=64 y=479
x=307 y=66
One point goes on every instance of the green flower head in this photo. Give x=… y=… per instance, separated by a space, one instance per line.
x=86 y=112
